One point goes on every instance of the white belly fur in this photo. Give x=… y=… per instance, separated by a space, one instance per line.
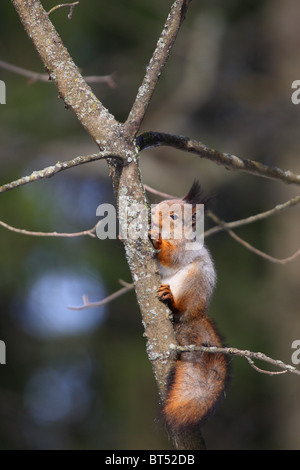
x=176 y=278
x=176 y=281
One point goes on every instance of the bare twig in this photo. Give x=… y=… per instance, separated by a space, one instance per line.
x=252 y=248
x=34 y=76
x=49 y=171
x=126 y=284
x=87 y=304
x=231 y=162
x=248 y=355
x=263 y=371
x=109 y=79
x=71 y=5
x=44 y=77
x=158 y=193
x=253 y=218
x=89 y=232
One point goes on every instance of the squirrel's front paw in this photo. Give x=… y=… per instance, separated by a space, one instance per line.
x=164 y=293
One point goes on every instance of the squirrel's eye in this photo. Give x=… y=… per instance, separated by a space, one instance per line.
x=174 y=216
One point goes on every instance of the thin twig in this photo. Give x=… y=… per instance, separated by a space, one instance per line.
x=263 y=371
x=44 y=77
x=87 y=304
x=109 y=79
x=126 y=284
x=158 y=193
x=252 y=248
x=34 y=76
x=231 y=162
x=50 y=171
x=253 y=218
x=248 y=355
x=89 y=232
x=71 y=5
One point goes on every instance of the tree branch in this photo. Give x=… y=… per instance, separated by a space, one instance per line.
x=158 y=193
x=252 y=248
x=89 y=232
x=231 y=162
x=44 y=77
x=87 y=304
x=253 y=218
x=71 y=5
x=156 y=65
x=242 y=353
x=52 y=170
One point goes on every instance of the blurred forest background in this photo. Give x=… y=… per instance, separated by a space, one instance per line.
x=82 y=380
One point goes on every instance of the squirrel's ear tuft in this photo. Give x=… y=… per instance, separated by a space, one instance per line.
x=195 y=195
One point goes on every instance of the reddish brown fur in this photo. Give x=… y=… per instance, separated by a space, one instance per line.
x=198 y=380
x=166 y=253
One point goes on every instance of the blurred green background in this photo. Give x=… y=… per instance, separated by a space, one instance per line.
x=82 y=380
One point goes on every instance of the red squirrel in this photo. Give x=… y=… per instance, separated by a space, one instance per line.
x=198 y=379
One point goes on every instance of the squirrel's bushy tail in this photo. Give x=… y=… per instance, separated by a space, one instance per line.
x=197 y=381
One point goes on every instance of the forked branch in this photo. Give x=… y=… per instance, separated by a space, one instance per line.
x=70 y=5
